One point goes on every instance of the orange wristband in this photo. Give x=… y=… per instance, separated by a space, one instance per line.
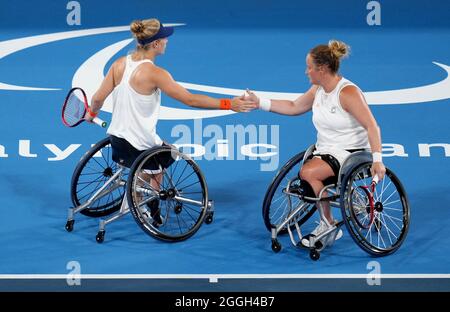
x=91 y=113
x=225 y=104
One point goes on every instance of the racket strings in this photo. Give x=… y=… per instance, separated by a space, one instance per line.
x=74 y=110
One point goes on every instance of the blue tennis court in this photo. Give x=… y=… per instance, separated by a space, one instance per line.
x=402 y=65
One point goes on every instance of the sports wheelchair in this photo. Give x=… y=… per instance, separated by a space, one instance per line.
x=171 y=209
x=376 y=215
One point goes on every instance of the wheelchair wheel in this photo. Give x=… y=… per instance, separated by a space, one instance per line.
x=92 y=172
x=381 y=230
x=277 y=204
x=175 y=208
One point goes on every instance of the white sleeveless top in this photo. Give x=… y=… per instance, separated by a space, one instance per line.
x=337 y=130
x=135 y=115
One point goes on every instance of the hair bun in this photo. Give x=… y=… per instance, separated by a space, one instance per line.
x=142 y=29
x=338 y=48
x=137 y=27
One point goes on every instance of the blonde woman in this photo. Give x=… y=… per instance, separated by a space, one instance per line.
x=136 y=83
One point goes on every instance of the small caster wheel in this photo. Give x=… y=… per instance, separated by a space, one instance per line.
x=178 y=208
x=314 y=255
x=209 y=218
x=69 y=225
x=318 y=246
x=100 y=237
x=276 y=246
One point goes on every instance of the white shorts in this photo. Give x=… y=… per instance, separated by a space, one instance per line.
x=340 y=155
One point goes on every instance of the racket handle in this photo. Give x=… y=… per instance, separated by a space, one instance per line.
x=375 y=179
x=99 y=122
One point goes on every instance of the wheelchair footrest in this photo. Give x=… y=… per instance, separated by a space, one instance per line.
x=317 y=245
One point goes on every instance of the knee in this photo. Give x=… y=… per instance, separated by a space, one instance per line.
x=307 y=174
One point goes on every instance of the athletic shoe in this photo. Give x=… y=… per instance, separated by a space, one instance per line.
x=321 y=228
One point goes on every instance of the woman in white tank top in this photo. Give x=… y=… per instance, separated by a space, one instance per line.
x=136 y=83
x=341 y=116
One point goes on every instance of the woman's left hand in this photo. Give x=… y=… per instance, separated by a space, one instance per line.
x=378 y=169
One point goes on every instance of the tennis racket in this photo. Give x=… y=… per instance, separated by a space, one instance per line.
x=75 y=107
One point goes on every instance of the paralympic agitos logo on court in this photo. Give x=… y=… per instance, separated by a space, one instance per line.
x=90 y=74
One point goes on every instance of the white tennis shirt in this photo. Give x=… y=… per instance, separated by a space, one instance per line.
x=337 y=130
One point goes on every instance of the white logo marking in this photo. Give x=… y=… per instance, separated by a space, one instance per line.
x=90 y=75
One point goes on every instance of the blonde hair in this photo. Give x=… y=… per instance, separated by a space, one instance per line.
x=143 y=29
x=338 y=48
x=330 y=55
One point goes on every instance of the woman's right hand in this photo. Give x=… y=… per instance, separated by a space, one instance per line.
x=88 y=117
x=242 y=104
x=252 y=97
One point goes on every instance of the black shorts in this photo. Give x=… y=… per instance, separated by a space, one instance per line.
x=125 y=154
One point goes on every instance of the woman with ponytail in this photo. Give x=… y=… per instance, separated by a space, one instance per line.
x=136 y=83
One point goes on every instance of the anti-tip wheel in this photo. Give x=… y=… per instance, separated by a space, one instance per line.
x=209 y=218
x=314 y=255
x=276 y=246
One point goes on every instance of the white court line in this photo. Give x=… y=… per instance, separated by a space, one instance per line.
x=213 y=276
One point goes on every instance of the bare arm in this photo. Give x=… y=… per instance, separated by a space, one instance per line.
x=102 y=93
x=299 y=106
x=169 y=86
x=354 y=103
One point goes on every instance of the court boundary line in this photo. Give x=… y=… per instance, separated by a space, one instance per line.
x=219 y=276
